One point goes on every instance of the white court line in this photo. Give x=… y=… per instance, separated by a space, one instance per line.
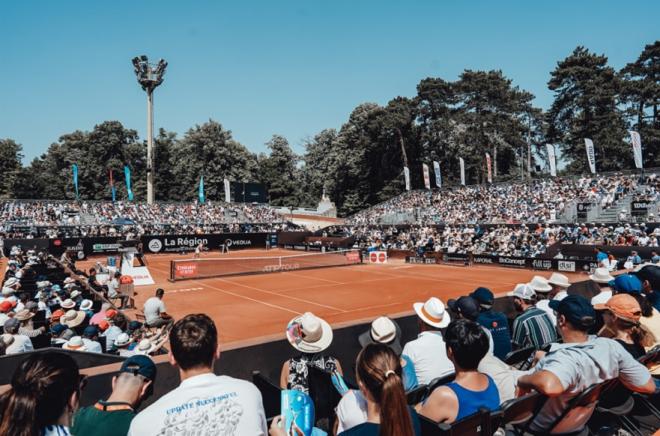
x=313 y=278
x=243 y=296
x=436 y=279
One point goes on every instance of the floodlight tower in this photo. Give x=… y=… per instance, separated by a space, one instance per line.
x=149 y=76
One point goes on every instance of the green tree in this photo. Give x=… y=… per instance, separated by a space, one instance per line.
x=11 y=154
x=320 y=163
x=280 y=174
x=585 y=106
x=640 y=94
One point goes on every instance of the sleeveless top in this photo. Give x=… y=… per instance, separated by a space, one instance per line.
x=469 y=402
x=298 y=372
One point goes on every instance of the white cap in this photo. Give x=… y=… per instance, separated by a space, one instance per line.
x=523 y=291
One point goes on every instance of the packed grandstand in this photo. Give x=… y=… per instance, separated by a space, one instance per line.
x=517 y=363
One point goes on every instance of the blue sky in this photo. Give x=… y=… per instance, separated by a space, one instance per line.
x=286 y=67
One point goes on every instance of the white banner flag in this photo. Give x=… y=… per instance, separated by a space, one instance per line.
x=227 y=191
x=438 y=174
x=552 y=159
x=489 y=166
x=427 y=176
x=406 y=175
x=462 y=162
x=637 y=148
x=591 y=154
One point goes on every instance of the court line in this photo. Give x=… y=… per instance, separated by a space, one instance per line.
x=313 y=278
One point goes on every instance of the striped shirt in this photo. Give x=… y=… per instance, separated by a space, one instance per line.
x=533 y=328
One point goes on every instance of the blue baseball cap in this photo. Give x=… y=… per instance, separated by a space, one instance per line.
x=57 y=329
x=483 y=296
x=90 y=331
x=627 y=283
x=577 y=310
x=140 y=365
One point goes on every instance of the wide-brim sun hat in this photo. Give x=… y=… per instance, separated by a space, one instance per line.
x=308 y=333
x=68 y=304
x=540 y=284
x=433 y=312
x=145 y=347
x=75 y=344
x=73 y=318
x=383 y=331
x=123 y=340
x=601 y=275
x=86 y=305
x=560 y=280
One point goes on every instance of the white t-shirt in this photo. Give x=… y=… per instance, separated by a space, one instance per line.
x=153 y=307
x=429 y=355
x=21 y=344
x=351 y=410
x=92 y=346
x=206 y=404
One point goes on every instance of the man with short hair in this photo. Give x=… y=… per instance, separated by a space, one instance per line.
x=20 y=343
x=467 y=307
x=113 y=417
x=155 y=313
x=496 y=322
x=223 y=404
x=428 y=352
x=90 y=339
x=580 y=362
x=532 y=327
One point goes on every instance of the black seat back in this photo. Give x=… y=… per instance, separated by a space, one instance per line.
x=417 y=395
x=520 y=358
x=270 y=393
x=578 y=411
x=323 y=394
x=477 y=424
x=518 y=412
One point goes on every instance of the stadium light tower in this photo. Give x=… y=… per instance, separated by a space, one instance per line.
x=149 y=76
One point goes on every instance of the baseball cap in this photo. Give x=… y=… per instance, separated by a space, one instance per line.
x=140 y=365
x=134 y=325
x=577 y=309
x=626 y=283
x=5 y=306
x=110 y=313
x=103 y=325
x=483 y=296
x=623 y=306
x=522 y=291
x=11 y=323
x=59 y=313
x=466 y=306
x=650 y=273
x=57 y=329
x=91 y=330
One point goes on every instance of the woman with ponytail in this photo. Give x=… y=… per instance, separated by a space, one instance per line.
x=378 y=371
x=44 y=394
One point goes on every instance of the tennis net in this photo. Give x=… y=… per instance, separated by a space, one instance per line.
x=185 y=269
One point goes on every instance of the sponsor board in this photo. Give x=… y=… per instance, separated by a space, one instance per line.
x=285 y=267
x=566 y=265
x=185 y=269
x=515 y=262
x=105 y=248
x=542 y=264
x=488 y=260
x=421 y=260
x=353 y=257
x=378 y=257
x=179 y=243
x=454 y=257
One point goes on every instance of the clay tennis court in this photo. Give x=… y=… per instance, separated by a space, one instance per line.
x=254 y=308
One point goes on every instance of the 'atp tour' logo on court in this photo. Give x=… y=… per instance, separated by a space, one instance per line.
x=155 y=245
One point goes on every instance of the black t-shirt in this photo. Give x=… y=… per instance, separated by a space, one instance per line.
x=635 y=350
x=371 y=429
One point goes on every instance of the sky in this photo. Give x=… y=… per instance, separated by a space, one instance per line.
x=282 y=67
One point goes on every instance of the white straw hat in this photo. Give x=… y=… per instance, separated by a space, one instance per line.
x=433 y=312
x=86 y=305
x=601 y=275
x=540 y=284
x=559 y=280
x=309 y=333
x=68 y=304
x=75 y=343
x=523 y=291
x=73 y=318
x=122 y=340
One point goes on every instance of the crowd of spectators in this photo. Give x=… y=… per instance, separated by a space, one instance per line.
x=462 y=353
x=47 y=303
x=537 y=201
x=21 y=218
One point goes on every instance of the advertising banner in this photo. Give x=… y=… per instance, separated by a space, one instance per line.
x=182 y=243
x=427 y=176
x=637 y=148
x=591 y=154
x=420 y=260
x=552 y=159
x=462 y=163
x=438 y=174
x=639 y=208
x=378 y=257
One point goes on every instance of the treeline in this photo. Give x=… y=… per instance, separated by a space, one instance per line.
x=362 y=163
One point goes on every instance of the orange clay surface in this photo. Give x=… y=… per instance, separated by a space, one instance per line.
x=254 y=308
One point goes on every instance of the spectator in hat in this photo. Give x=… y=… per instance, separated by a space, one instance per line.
x=75 y=344
x=20 y=343
x=145 y=347
x=428 y=352
x=27 y=328
x=467 y=344
x=112 y=417
x=543 y=289
x=621 y=315
x=560 y=284
x=649 y=276
x=100 y=315
x=467 y=307
x=121 y=344
x=580 y=362
x=74 y=320
x=114 y=320
x=310 y=335
x=86 y=306
x=229 y=406
x=44 y=393
x=601 y=277
x=5 y=309
x=384 y=330
x=532 y=327
x=155 y=312
x=90 y=339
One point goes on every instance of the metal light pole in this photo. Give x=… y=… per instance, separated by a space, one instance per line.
x=149 y=77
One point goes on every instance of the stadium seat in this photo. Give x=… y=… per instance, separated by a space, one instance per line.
x=578 y=411
x=270 y=393
x=440 y=381
x=476 y=424
x=518 y=412
x=417 y=395
x=521 y=359
x=324 y=395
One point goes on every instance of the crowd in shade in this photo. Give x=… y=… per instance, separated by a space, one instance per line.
x=45 y=303
x=22 y=219
x=537 y=201
x=503 y=240
x=564 y=343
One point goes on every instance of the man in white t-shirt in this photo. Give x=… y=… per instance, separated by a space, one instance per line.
x=155 y=313
x=428 y=352
x=223 y=404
